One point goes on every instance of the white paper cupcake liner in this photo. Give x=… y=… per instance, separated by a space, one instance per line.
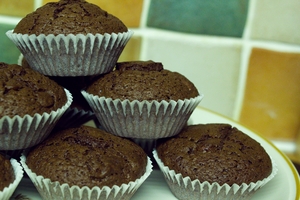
x=23 y=132
x=186 y=189
x=142 y=119
x=20 y=58
x=71 y=55
x=18 y=172
x=57 y=191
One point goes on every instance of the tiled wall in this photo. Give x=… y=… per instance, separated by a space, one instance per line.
x=244 y=55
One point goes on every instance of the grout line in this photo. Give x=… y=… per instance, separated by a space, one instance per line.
x=144 y=15
x=9 y=19
x=249 y=20
x=245 y=54
x=140 y=31
x=37 y=4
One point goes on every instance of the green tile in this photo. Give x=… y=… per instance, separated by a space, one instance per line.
x=213 y=17
x=9 y=52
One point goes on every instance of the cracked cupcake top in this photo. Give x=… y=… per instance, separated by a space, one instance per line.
x=25 y=91
x=87 y=156
x=143 y=80
x=215 y=153
x=69 y=17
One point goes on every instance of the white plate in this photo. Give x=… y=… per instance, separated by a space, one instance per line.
x=284 y=186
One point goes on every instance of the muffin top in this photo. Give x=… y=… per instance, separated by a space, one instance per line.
x=143 y=80
x=6 y=172
x=25 y=91
x=215 y=153
x=69 y=17
x=87 y=156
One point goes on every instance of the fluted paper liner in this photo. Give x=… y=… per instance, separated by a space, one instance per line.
x=57 y=191
x=186 y=189
x=7 y=192
x=24 y=132
x=71 y=55
x=142 y=119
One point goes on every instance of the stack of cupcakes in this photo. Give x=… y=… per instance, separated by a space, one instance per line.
x=78 y=44
x=74 y=41
x=71 y=42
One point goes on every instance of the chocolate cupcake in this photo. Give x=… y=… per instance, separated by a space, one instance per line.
x=11 y=174
x=86 y=162
x=140 y=99
x=31 y=105
x=70 y=38
x=214 y=160
x=79 y=111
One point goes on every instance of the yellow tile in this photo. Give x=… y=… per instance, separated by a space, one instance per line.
x=272 y=96
x=47 y=1
x=16 y=7
x=129 y=11
x=132 y=50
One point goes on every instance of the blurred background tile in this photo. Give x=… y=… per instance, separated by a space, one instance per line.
x=214 y=17
x=129 y=11
x=212 y=64
x=9 y=52
x=272 y=94
x=132 y=50
x=276 y=20
x=16 y=7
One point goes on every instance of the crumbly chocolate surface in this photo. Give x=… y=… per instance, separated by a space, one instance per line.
x=143 y=80
x=25 y=91
x=74 y=84
x=87 y=156
x=69 y=17
x=6 y=172
x=216 y=153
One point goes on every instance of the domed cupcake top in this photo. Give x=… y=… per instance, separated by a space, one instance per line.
x=25 y=91
x=143 y=80
x=87 y=156
x=216 y=153
x=69 y=17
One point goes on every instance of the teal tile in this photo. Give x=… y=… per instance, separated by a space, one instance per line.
x=9 y=53
x=209 y=17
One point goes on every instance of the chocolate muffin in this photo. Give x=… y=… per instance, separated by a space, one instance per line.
x=215 y=153
x=25 y=91
x=73 y=84
x=87 y=156
x=69 y=17
x=141 y=100
x=143 y=80
x=6 y=172
x=70 y=38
